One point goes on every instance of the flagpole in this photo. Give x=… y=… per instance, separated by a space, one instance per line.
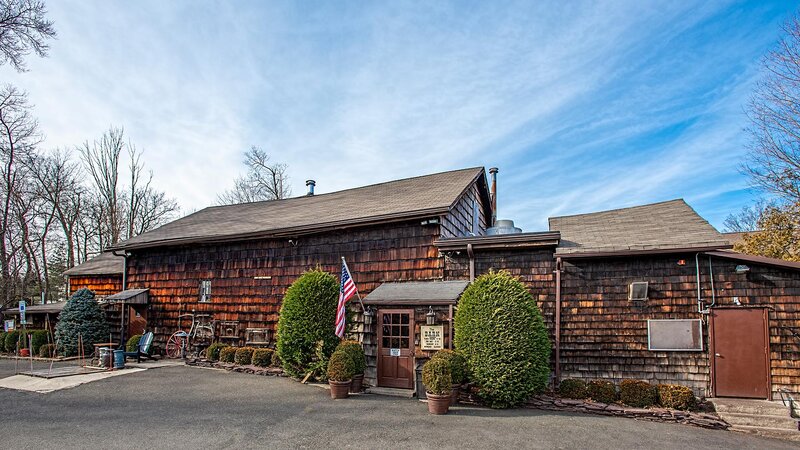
x=358 y=294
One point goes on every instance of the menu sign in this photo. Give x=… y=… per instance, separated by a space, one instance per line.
x=432 y=337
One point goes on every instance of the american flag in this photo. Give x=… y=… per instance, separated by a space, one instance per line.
x=346 y=290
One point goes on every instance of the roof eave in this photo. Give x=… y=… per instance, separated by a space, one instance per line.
x=500 y=241
x=624 y=253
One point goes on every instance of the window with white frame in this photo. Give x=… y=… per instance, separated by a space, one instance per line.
x=205 y=291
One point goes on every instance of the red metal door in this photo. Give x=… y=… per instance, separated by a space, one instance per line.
x=740 y=352
x=396 y=348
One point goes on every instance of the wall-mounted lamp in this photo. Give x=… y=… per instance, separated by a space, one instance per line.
x=369 y=315
x=741 y=268
x=430 y=317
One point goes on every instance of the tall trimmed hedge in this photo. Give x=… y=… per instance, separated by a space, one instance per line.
x=81 y=317
x=307 y=316
x=499 y=329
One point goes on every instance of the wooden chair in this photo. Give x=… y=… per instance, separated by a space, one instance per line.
x=143 y=348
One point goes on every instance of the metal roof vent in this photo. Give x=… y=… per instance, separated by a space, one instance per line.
x=503 y=227
x=311 y=184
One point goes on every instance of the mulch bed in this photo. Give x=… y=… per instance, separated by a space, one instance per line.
x=251 y=369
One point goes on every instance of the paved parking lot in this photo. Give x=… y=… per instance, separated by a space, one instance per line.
x=185 y=407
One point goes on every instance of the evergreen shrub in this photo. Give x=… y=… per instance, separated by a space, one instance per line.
x=82 y=319
x=638 y=393
x=436 y=376
x=262 y=357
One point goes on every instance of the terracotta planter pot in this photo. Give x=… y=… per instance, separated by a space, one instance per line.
x=357 y=383
x=24 y=352
x=438 y=404
x=456 y=392
x=339 y=389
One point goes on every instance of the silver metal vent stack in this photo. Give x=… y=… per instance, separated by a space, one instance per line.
x=503 y=227
x=310 y=184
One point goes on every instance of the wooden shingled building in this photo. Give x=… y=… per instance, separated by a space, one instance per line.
x=650 y=292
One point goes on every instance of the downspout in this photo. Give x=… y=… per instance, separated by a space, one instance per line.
x=711 y=274
x=697 y=273
x=471 y=254
x=558 y=322
x=124 y=269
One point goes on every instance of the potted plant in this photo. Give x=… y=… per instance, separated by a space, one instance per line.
x=340 y=374
x=438 y=385
x=356 y=352
x=458 y=370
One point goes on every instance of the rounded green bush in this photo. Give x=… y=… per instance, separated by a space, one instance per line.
x=637 y=393
x=276 y=360
x=340 y=367
x=436 y=377
x=83 y=319
x=262 y=357
x=356 y=352
x=244 y=356
x=212 y=352
x=307 y=317
x=12 y=338
x=500 y=331
x=3 y=341
x=47 y=351
x=601 y=391
x=573 y=388
x=133 y=343
x=457 y=362
x=38 y=339
x=676 y=396
x=227 y=354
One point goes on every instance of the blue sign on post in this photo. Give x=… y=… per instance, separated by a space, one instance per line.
x=22 y=305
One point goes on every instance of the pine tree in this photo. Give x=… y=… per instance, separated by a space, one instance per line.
x=82 y=319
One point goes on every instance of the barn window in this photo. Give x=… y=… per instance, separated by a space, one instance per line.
x=205 y=291
x=637 y=291
x=675 y=335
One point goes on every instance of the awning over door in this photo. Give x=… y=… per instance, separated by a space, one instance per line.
x=130 y=297
x=417 y=293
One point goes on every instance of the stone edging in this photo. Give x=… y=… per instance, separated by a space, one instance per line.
x=254 y=370
x=702 y=420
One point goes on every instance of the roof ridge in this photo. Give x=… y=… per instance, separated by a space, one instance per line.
x=343 y=190
x=622 y=209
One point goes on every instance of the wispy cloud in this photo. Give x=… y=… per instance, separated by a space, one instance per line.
x=582 y=106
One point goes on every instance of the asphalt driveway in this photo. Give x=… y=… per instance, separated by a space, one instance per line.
x=186 y=407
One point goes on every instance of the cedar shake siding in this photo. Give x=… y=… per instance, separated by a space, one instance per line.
x=391 y=252
x=459 y=221
x=101 y=285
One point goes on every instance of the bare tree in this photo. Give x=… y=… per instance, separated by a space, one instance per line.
x=18 y=138
x=101 y=159
x=263 y=181
x=23 y=29
x=774 y=113
x=147 y=208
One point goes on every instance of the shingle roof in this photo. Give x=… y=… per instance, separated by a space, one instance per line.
x=662 y=226
x=102 y=264
x=414 y=292
x=411 y=197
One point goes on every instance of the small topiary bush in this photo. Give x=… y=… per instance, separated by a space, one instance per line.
x=262 y=357
x=436 y=377
x=276 y=360
x=38 y=339
x=11 y=340
x=500 y=331
x=356 y=352
x=133 y=343
x=676 y=396
x=82 y=319
x=244 y=356
x=47 y=351
x=307 y=316
x=212 y=352
x=2 y=341
x=457 y=363
x=573 y=388
x=340 y=367
x=601 y=391
x=638 y=393
x=227 y=354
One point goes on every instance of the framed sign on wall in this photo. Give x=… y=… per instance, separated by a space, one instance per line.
x=675 y=335
x=432 y=337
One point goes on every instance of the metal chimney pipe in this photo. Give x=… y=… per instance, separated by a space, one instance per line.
x=493 y=193
x=310 y=184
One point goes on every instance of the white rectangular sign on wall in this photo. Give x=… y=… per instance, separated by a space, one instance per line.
x=675 y=335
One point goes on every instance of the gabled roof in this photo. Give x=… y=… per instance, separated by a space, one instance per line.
x=417 y=292
x=659 y=227
x=394 y=200
x=763 y=260
x=102 y=264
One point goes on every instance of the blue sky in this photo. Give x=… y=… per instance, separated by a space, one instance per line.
x=582 y=106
